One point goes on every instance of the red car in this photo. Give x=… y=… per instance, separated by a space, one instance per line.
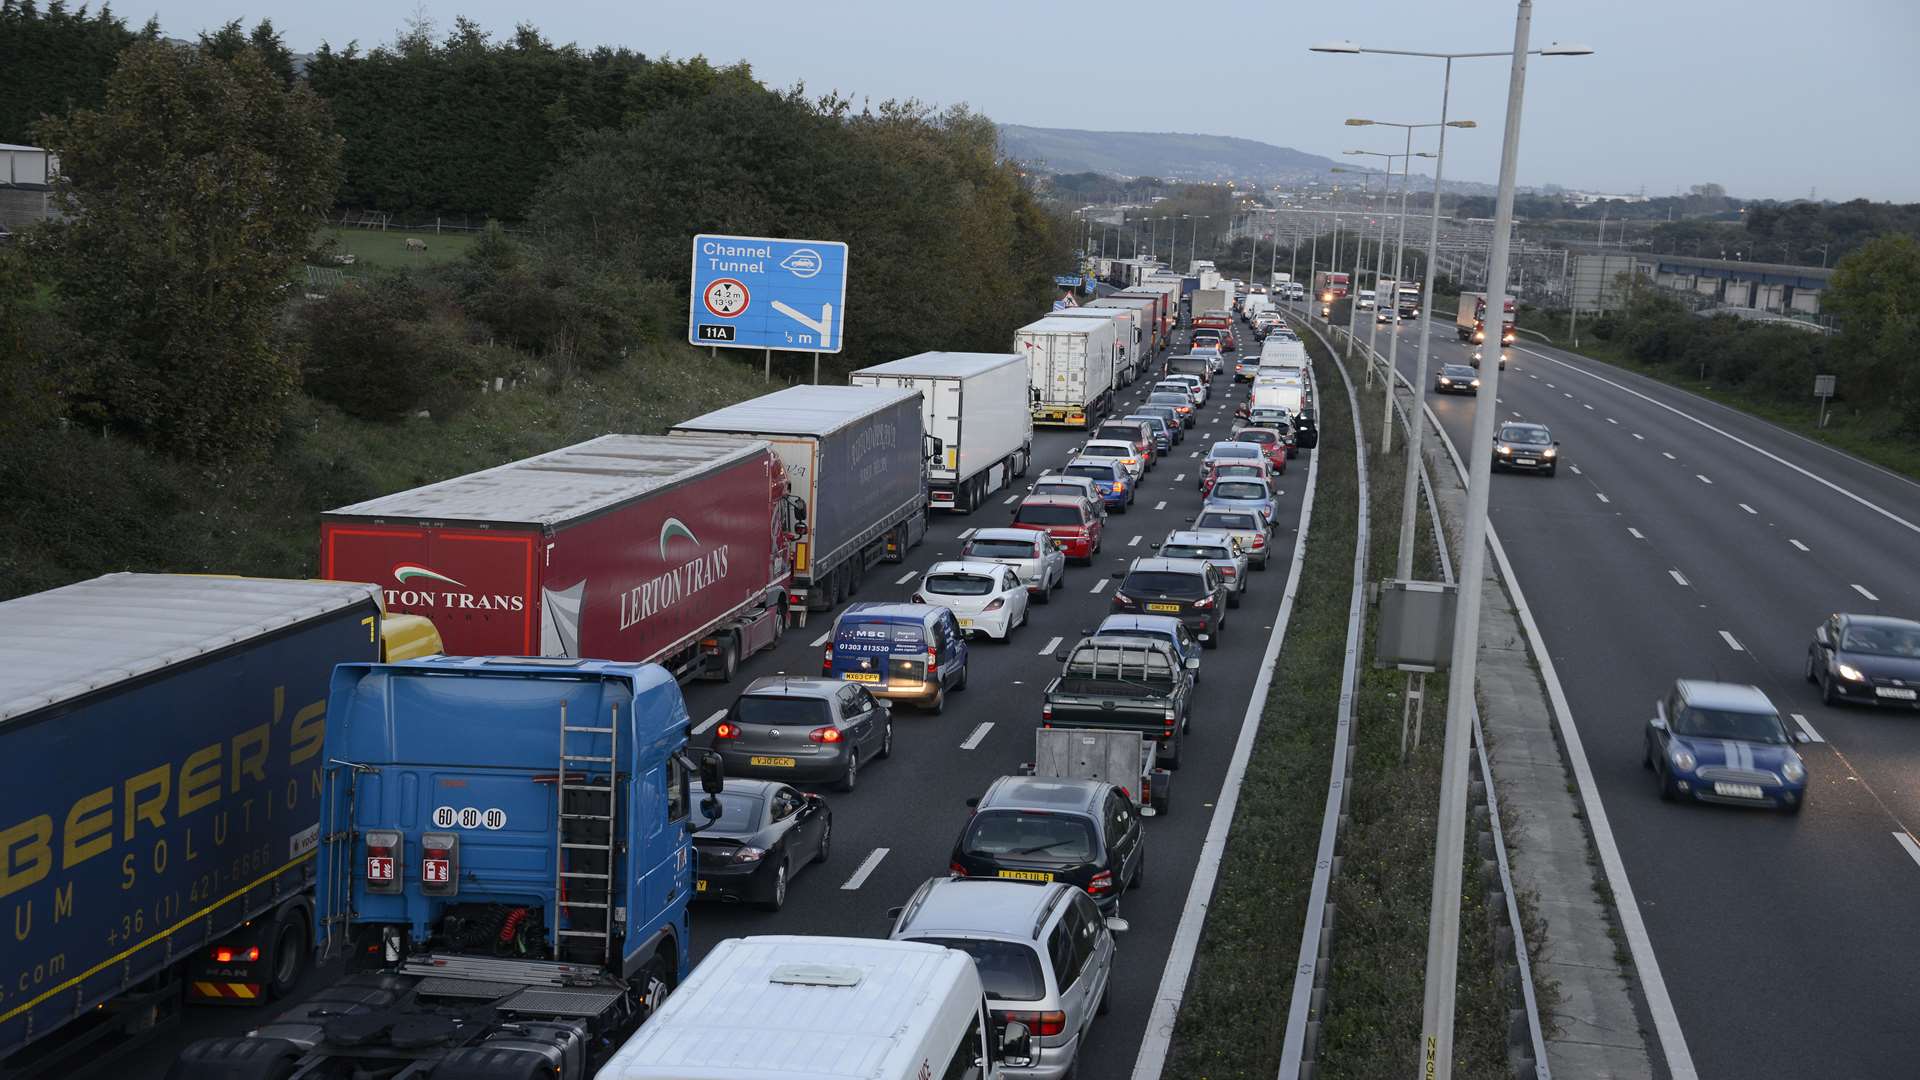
x=1270 y=440
x=1070 y=521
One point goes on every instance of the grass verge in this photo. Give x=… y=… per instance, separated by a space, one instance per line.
x=1231 y=1024
x=388 y=247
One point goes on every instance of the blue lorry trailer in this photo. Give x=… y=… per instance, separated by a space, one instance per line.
x=505 y=862
x=160 y=749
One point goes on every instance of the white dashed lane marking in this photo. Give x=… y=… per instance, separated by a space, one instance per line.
x=1906 y=842
x=865 y=869
x=973 y=740
x=1668 y=456
x=1748 y=509
x=1601 y=495
x=1702 y=478
x=1161 y=505
x=1052 y=644
x=1636 y=533
x=709 y=722
x=906 y=577
x=1678 y=577
x=1099 y=585
x=1135 y=542
x=822 y=639
x=1799 y=545
x=1862 y=590
x=1812 y=735
x=1010 y=500
x=1732 y=642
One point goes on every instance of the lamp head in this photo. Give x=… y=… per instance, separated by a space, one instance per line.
x=1557 y=49
x=1343 y=47
x=1357 y=122
x=1461 y=124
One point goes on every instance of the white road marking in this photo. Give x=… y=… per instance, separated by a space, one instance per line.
x=1812 y=735
x=1611 y=420
x=1052 y=644
x=1161 y=505
x=1193 y=453
x=967 y=534
x=1668 y=456
x=1499 y=401
x=1135 y=542
x=1862 y=590
x=1636 y=533
x=1602 y=496
x=1586 y=406
x=1732 y=643
x=1748 y=509
x=1702 y=478
x=1516 y=412
x=1099 y=585
x=1639 y=436
x=973 y=740
x=822 y=639
x=709 y=722
x=906 y=577
x=1905 y=841
x=1799 y=545
x=865 y=869
x=1010 y=500
x=1576 y=470
x=1531 y=375
x=1179 y=478
x=1550 y=386
x=1566 y=395
x=1206 y=435
x=1678 y=577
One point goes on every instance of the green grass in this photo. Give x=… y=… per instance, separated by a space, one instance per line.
x=82 y=504
x=388 y=248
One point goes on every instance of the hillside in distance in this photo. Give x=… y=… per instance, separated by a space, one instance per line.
x=1168 y=155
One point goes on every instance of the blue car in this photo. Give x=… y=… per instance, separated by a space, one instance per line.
x=1725 y=743
x=1109 y=477
x=1162 y=435
x=906 y=652
x=1157 y=627
x=1241 y=493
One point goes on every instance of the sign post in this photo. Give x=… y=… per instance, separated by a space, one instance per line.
x=753 y=292
x=1823 y=389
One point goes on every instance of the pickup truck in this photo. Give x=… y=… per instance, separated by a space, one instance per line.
x=1124 y=683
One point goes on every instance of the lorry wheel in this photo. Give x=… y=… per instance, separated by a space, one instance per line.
x=288 y=960
x=729 y=659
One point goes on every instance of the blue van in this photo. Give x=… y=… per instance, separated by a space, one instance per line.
x=906 y=652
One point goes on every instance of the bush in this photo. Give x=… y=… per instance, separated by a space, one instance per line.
x=382 y=351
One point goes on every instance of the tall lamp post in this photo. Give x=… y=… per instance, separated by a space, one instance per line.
x=1443 y=927
x=1380 y=253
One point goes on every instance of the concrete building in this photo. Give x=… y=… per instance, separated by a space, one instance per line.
x=26 y=185
x=1777 y=288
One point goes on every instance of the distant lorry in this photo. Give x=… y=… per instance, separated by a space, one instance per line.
x=1126 y=357
x=625 y=547
x=1329 y=285
x=1207 y=300
x=1470 y=319
x=1070 y=365
x=162 y=738
x=504 y=862
x=976 y=404
x=1279 y=279
x=1145 y=330
x=858 y=460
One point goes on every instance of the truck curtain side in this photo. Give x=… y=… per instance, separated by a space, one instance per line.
x=976 y=404
x=858 y=458
x=625 y=547
x=163 y=744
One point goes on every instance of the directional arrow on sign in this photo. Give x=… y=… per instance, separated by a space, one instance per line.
x=824 y=327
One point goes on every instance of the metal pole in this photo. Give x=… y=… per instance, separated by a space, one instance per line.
x=1417 y=428
x=1193 y=243
x=769 y=375
x=1443 y=928
x=1293 y=256
x=1173 y=237
x=1353 y=309
x=1393 y=340
x=1379 y=264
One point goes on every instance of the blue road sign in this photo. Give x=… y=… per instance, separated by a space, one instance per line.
x=754 y=292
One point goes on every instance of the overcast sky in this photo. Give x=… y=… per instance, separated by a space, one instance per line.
x=1772 y=98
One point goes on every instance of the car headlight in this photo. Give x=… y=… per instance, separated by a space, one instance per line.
x=1548 y=452
x=1682 y=760
x=1793 y=771
x=1504 y=449
x=1476 y=382
x=1444 y=381
x=1849 y=673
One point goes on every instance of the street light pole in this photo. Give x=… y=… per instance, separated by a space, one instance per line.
x=1443 y=928
x=1416 y=426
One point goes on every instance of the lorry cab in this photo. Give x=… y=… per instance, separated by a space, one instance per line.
x=906 y=652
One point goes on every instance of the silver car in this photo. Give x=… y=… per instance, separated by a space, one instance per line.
x=1044 y=953
x=1034 y=556
x=1251 y=527
x=1213 y=546
x=804 y=730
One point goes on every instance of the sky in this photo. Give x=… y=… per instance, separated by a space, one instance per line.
x=1770 y=98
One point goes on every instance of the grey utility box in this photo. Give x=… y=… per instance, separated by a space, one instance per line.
x=1415 y=626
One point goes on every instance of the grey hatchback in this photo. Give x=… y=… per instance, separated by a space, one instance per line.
x=802 y=729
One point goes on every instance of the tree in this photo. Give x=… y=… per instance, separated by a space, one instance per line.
x=231 y=40
x=191 y=193
x=55 y=59
x=1875 y=293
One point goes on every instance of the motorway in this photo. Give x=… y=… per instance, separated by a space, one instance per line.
x=898 y=828
x=1685 y=539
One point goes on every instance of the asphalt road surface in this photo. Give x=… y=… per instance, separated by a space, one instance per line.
x=899 y=827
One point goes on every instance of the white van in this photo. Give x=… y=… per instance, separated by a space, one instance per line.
x=1282 y=353
x=1291 y=397
x=824 y=1008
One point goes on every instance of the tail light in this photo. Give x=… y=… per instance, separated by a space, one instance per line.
x=726 y=731
x=1259 y=540
x=223 y=954
x=826 y=661
x=919 y=599
x=1206 y=603
x=824 y=735
x=956 y=869
x=1121 y=598
x=1119 y=486
x=1046 y=714
x=384 y=851
x=1102 y=883
x=1038 y=1023
x=997 y=604
x=1168 y=717
x=439 y=864
x=933 y=661
x=1228 y=571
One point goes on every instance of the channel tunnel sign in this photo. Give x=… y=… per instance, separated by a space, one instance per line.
x=755 y=292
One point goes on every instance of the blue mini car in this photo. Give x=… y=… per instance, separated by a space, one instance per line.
x=906 y=652
x=1109 y=477
x=1158 y=627
x=1725 y=743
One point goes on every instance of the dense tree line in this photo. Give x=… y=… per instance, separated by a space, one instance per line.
x=56 y=58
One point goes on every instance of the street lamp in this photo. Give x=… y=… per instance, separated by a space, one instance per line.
x=1443 y=928
x=1380 y=255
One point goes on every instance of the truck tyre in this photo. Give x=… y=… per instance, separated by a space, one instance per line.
x=849 y=779
x=238 y=1057
x=287 y=958
x=729 y=660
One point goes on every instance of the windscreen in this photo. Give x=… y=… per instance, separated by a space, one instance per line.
x=1188 y=363
x=957 y=585
x=1104 y=451
x=1009 y=970
x=1261 y=437
x=1239 y=489
x=1194 y=551
x=1090 y=471
x=1115 y=431
x=1882 y=641
x=739 y=813
x=1231 y=522
x=1001 y=549
x=1723 y=724
x=1164 y=583
x=1169 y=397
x=1525 y=436
x=1042 y=514
x=795 y=711
x=1114 y=670
x=1023 y=835
x=1220 y=451
x=1457 y=371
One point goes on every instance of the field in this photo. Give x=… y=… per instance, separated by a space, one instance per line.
x=388 y=247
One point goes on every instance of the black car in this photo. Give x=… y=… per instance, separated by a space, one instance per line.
x=1027 y=828
x=1306 y=430
x=804 y=730
x=1868 y=659
x=1456 y=379
x=1525 y=447
x=765 y=833
x=1187 y=589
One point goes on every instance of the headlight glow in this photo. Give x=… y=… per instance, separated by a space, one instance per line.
x=1793 y=771
x=1849 y=673
x=1683 y=760
x=1506 y=449
x=1548 y=452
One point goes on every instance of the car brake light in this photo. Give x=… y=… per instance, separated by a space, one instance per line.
x=824 y=735
x=919 y=599
x=1046 y=713
x=726 y=731
x=933 y=661
x=1207 y=603
x=1037 y=1023
x=223 y=954
x=998 y=603
x=826 y=661
x=1259 y=540
x=1102 y=883
x=956 y=869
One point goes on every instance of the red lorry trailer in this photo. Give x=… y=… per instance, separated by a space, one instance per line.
x=676 y=551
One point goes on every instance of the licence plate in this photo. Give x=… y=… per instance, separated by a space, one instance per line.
x=1027 y=875
x=771 y=762
x=1524 y=461
x=1892 y=692
x=861 y=676
x=966 y=624
x=700 y=885
x=1163 y=607
x=1736 y=791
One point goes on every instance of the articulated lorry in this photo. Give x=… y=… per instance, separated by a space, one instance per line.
x=1470 y=319
x=162 y=745
x=1329 y=285
x=858 y=458
x=976 y=404
x=1126 y=357
x=1143 y=327
x=640 y=548
x=1070 y=369
x=1161 y=314
x=504 y=862
x=1208 y=301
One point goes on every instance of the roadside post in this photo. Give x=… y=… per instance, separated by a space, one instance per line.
x=1823 y=389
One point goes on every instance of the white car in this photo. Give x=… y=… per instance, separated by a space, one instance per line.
x=1125 y=453
x=1195 y=385
x=1034 y=556
x=987 y=599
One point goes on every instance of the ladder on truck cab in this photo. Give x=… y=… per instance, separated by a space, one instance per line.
x=587 y=828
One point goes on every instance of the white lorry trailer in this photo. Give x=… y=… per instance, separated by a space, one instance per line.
x=977 y=405
x=1070 y=368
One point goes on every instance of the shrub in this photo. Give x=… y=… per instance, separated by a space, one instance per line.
x=384 y=350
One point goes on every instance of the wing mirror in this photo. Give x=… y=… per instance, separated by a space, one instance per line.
x=893 y=913
x=1117 y=925
x=1193 y=663
x=1658 y=723
x=713 y=776
x=1016 y=1045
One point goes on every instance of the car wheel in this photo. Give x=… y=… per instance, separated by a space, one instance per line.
x=939 y=703
x=1106 y=995
x=1646 y=756
x=1552 y=470
x=886 y=742
x=1666 y=783
x=1123 y=507
x=1826 y=689
x=851 y=778
x=778 y=899
x=1812 y=677
x=1262 y=564
x=1139 y=877
x=826 y=842
x=961 y=683
x=1794 y=806
x=1044 y=596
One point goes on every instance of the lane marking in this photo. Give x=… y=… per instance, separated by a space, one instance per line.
x=1193 y=453
x=1550 y=386
x=1637 y=534
x=1576 y=470
x=1639 y=436
x=1808 y=728
x=865 y=869
x=1748 y=509
x=708 y=722
x=1052 y=644
x=906 y=577
x=1099 y=585
x=1566 y=395
x=1862 y=590
x=1135 y=542
x=1799 y=545
x=1702 y=478
x=1161 y=505
x=1678 y=577
x=1010 y=500
x=1179 y=477
x=1531 y=375
x=1602 y=496
x=968 y=535
x=973 y=740
x=1668 y=456
x=822 y=639
x=1611 y=420
x=1905 y=841
x=1732 y=643
x=1586 y=406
